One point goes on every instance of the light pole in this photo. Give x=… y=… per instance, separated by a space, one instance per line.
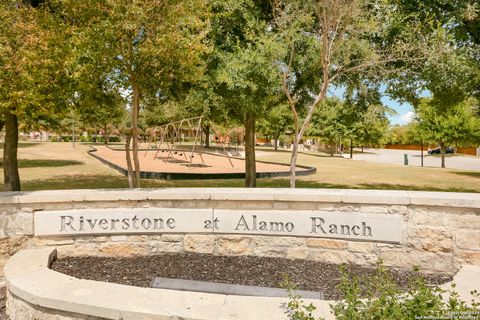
x=75 y=98
x=73 y=130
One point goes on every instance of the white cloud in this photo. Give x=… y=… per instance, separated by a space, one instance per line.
x=407 y=117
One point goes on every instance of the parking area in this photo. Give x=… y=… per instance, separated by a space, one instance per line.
x=455 y=161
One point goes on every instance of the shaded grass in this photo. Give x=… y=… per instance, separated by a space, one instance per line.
x=75 y=182
x=474 y=174
x=22 y=145
x=115 y=182
x=37 y=163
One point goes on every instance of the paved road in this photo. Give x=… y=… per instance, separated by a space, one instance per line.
x=456 y=161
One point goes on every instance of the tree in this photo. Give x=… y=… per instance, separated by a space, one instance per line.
x=355 y=119
x=277 y=122
x=102 y=107
x=151 y=48
x=242 y=77
x=373 y=125
x=32 y=68
x=340 y=38
x=445 y=126
x=451 y=75
x=247 y=84
x=331 y=123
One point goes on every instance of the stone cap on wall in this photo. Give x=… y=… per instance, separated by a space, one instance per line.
x=348 y=196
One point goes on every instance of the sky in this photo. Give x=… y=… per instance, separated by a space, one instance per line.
x=404 y=110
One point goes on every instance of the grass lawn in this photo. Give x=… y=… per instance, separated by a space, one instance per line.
x=49 y=165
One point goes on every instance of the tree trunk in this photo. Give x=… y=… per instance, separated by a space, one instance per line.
x=106 y=136
x=135 y=112
x=299 y=133
x=250 y=165
x=11 y=177
x=351 y=148
x=130 y=174
x=442 y=149
x=275 y=141
x=206 y=129
x=293 y=159
x=2 y=123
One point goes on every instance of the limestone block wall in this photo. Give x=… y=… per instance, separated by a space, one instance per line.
x=441 y=231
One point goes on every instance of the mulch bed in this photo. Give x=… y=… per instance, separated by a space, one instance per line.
x=3 y=315
x=246 y=270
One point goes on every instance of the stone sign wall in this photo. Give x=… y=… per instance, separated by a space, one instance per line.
x=436 y=231
x=337 y=225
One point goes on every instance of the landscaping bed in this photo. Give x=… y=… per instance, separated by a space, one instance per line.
x=3 y=314
x=245 y=270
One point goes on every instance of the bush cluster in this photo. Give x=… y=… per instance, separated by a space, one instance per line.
x=379 y=297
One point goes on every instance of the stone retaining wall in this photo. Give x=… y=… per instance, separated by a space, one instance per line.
x=441 y=231
x=21 y=310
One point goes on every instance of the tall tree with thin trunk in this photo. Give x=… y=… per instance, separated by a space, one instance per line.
x=328 y=41
x=151 y=47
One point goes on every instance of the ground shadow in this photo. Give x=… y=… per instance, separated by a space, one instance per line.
x=388 y=186
x=44 y=163
x=76 y=182
x=119 y=181
x=195 y=165
x=172 y=160
x=468 y=173
x=284 y=183
x=22 y=145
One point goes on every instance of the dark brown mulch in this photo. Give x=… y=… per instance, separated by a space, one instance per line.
x=3 y=315
x=246 y=270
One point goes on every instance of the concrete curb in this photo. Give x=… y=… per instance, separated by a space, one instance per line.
x=30 y=279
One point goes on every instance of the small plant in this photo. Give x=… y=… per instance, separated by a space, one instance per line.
x=295 y=308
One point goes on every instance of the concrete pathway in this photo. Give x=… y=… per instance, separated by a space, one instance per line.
x=456 y=161
x=467 y=279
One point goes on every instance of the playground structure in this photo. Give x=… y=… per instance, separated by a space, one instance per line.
x=168 y=139
x=172 y=148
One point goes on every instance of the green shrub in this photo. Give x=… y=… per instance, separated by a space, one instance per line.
x=379 y=297
x=85 y=139
x=295 y=308
x=110 y=139
x=384 y=299
x=68 y=138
